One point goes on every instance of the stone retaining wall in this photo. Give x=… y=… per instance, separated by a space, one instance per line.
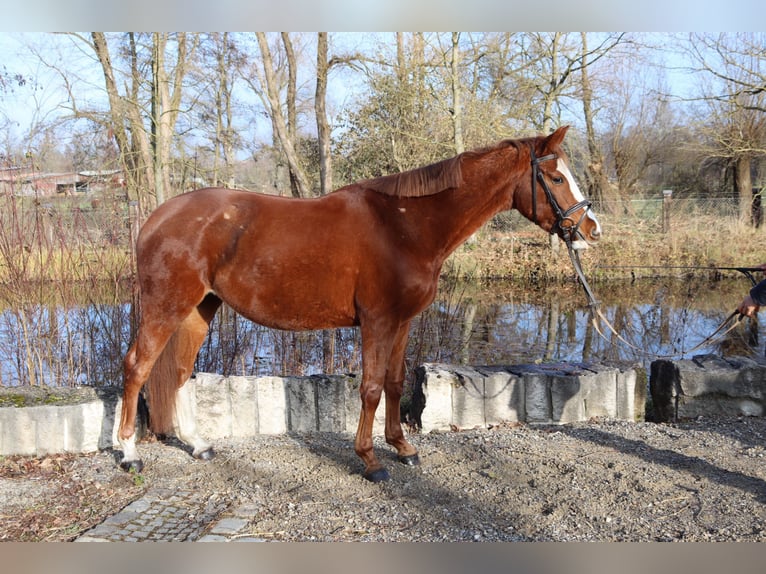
x=445 y=397
x=549 y=393
x=707 y=385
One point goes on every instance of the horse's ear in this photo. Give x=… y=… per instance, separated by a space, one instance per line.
x=555 y=139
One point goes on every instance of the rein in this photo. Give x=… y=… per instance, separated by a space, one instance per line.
x=726 y=326
x=570 y=230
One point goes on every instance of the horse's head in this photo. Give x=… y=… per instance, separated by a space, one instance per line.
x=556 y=203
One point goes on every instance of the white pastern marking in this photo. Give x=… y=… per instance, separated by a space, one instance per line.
x=128 y=445
x=185 y=423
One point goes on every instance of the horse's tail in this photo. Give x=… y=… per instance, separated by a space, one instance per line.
x=162 y=386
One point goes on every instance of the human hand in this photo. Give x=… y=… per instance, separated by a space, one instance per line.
x=748 y=307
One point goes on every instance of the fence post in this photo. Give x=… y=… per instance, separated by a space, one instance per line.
x=667 y=197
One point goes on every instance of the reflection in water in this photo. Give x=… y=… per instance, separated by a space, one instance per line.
x=496 y=323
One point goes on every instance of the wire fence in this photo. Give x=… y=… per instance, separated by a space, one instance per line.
x=29 y=223
x=663 y=214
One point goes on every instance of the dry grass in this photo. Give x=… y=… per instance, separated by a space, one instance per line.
x=628 y=250
x=70 y=502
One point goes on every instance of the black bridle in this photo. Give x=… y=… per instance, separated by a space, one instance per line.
x=564 y=222
x=569 y=229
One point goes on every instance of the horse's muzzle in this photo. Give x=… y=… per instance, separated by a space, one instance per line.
x=588 y=232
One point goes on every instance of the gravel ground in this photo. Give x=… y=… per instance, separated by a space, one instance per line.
x=701 y=480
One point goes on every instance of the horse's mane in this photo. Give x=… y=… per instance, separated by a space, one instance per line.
x=436 y=177
x=418 y=182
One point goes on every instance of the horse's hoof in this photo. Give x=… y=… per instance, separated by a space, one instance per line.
x=207 y=454
x=410 y=459
x=135 y=466
x=379 y=475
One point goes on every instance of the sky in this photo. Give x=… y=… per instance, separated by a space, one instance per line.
x=383 y=15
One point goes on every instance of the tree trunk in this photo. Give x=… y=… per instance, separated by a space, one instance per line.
x=301 y=188
x=744 y=187
x=292 y=115
x=323 y=127
x=457 y=106
x=127 y=126
x=595 y=178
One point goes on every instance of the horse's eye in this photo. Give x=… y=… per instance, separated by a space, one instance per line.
x=557 y=180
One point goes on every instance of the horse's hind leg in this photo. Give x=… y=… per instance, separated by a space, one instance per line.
x=170 y=345
x=143 y=353
x=191 y=334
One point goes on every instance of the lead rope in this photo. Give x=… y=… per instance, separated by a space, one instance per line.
x=595 y=313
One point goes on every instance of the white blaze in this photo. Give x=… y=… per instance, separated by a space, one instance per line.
x=562 y=167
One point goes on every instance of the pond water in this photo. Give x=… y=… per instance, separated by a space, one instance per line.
x=492 y=323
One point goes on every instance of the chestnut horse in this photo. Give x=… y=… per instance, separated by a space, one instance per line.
x=368 y=255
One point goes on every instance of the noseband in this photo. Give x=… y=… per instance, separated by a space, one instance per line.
x=569 y=229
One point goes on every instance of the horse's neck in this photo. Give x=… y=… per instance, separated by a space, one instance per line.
x=467 y=208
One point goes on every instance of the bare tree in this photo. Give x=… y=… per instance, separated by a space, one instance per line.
x=595 y=171
x=125 y=121
x=732 y=115
x=167 y=90
x=300 y=186
x=144 y=139
x=457 y=106
x=216 y=77
x=558 y=58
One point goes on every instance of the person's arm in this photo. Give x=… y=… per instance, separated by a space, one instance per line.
x=758 y=293
x=755 y=299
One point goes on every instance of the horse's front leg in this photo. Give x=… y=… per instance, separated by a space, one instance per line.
x=370 y=392
x=407 y=453
x=377 y=342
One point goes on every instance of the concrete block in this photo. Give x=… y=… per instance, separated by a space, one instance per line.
x=272 y=405
x=436 y=385
x=82 y=431
x=50 y=423
x=19 y=432
x=598 y=394
x=708 y=385
x=468 y=398
x=212 y=405
x=330 y=401
x=301 y=404
x=537 y=398
x=504 y=397
x=567 y=400
x=444 y=397
x=631 y=394
x=244 y=406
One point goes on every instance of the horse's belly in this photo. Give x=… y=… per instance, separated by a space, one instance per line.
x=299 y=319
x=294 y=310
